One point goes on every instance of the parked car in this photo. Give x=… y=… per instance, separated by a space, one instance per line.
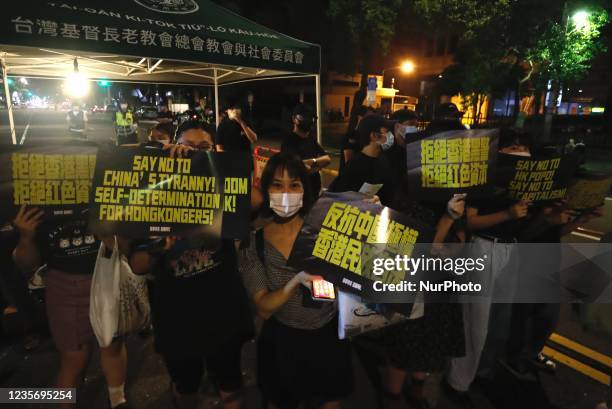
x=100 y=109
x=146 y=112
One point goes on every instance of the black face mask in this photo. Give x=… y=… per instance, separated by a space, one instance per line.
x=305 y=125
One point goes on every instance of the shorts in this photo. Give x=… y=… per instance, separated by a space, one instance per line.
x=67 y=300
x=186 y=370
x=295 y=365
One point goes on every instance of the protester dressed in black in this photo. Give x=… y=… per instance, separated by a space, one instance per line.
x=369 y=165
x=233 y=133
x=200 y=309
x=302 y=143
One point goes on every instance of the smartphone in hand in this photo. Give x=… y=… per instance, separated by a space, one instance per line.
x=323 y=291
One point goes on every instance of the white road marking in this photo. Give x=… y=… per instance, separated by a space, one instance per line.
x=25 y=133
x=586 y=236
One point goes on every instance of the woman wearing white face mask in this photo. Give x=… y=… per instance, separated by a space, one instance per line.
x=298 y=336
x=370 y=165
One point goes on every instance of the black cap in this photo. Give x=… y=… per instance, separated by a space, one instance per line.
x=306 y=113
x=369 y=124
x=404 y=115
x=232 y=103
x=448 y=110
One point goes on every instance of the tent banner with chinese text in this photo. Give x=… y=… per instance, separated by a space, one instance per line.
x=184 y=30
x=535 y=179
x=54 y=176
x=342 y=235
x=452 y=162
x=141 y=192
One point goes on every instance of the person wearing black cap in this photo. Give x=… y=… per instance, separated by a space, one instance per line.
x=234 y=134
x=405 y=130
x=447 y=118
x=349 y=146
x=302 y=143
x=374 y=136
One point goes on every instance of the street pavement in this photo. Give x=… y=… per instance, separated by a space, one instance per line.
x=148 y=381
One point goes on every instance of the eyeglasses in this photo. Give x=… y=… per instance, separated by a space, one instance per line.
x=203 y=146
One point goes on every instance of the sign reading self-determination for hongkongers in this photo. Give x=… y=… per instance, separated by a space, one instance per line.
x=55 y=177
x=342 y=235
x=535 y=179
x=141 y=192
x=452 y=162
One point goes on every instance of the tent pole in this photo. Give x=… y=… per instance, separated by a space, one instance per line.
x=9 y=101
x=318 y=94
x=216 y=78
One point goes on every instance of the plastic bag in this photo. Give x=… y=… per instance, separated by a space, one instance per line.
x=134 y=307
x=104 y=297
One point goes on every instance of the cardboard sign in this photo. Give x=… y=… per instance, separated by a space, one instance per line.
x=452 y=162
x=343 y=234
x=535 y=179
x=55 y=177
x=141 y=192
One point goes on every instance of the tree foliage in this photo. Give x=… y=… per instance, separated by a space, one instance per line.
x=509 y=44
x=371 y=24
x=467 y=17
x=564 y=52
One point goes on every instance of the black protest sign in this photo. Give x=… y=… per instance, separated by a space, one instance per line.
x=343 y=234
x=141 y=192
x=452 y=162
x=55 y=177
x=535 y=179
x=236 y=168
x=588 y=191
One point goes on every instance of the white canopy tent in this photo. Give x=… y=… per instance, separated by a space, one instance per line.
x=221 y=49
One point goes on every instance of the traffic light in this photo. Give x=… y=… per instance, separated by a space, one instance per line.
x=104 y=83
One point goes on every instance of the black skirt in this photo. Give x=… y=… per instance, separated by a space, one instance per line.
x=295 y=365
x=426 y=344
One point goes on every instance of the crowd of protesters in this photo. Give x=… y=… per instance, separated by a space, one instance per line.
x=208 y=298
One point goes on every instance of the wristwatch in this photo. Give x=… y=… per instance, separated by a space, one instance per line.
x=314 y=161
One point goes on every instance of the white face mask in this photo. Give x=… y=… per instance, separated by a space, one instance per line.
x=286 y=204
x=123 y=107
x=389 y=142
x=410 y=129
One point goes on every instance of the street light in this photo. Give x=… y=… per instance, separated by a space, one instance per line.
x=23 y=80
x=581 y=20
x=76 y=84
x=407 y=67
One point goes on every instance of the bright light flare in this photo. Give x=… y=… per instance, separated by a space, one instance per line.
x=76 y=85
x=581 y=20
x=407 y=67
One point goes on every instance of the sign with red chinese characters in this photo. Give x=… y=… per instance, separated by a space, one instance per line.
x=344 y=232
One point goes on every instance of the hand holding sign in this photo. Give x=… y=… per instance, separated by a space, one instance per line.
x=456 y=206
x=27 y=220
x=178 y=151
x=518 y=210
